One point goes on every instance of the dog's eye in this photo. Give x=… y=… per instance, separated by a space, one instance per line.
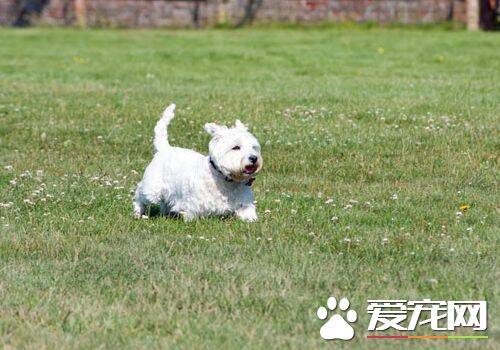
x=235 y=148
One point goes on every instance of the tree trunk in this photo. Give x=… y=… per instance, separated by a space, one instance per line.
x=473 y=14
x=81 y=13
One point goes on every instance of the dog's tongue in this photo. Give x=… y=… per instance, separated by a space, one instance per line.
x=249 y=169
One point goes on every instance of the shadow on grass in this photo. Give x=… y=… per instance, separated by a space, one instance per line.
x=153 y=212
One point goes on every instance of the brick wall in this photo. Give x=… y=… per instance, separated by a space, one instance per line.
x=166 y=13
x=382 y=11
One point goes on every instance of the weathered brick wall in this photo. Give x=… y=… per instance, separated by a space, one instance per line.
x=382 y=11
x=131 y=13
x=166 y=13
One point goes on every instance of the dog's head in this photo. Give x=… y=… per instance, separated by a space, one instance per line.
x=235 y=151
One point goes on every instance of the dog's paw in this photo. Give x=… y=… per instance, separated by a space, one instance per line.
x=140 y=216
x=187 y=216
x=251 y=219
x=248 y=214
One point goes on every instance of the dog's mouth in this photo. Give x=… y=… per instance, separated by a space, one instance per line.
x=250 y=169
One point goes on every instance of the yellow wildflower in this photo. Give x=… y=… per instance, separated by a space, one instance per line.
x=464 y=207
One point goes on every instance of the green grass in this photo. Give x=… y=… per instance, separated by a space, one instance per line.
x=347 y=118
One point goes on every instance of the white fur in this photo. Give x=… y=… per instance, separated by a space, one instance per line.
x=184 y=182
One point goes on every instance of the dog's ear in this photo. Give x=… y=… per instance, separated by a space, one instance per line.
x=214 y=129
x=239 y=125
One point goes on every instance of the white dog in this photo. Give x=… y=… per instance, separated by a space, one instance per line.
x=187 y=183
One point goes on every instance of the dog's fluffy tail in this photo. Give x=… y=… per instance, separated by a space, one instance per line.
x=160 y=140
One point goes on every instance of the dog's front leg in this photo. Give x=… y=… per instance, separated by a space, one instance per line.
x=247 y=213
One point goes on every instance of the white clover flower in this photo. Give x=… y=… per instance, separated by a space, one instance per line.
x=13 y=182
x=334 y=219
x=394 y=197
x=8 y=167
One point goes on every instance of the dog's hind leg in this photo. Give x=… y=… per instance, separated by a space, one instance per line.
x=139 y=208
x=138 y=204
x=164 y=209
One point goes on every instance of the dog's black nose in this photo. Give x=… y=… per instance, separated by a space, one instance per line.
x=253 y=159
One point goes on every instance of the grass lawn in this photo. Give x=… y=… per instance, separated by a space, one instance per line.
x=372 y=140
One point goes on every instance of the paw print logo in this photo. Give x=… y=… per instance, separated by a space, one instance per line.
x=337 y=327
